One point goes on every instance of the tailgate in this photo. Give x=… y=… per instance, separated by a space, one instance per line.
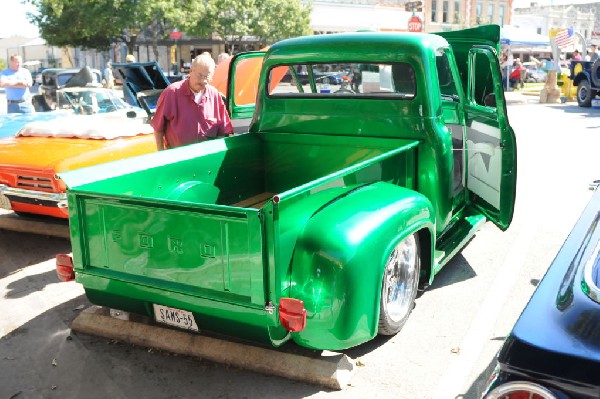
x=206 y=251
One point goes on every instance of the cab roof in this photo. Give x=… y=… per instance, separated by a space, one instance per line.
x=355 y=46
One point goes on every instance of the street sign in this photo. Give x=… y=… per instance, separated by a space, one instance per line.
x=413 y=6
x=175 y=35
x=415 y=24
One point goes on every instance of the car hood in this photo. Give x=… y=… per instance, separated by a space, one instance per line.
x=141 y=76
x=63 y=154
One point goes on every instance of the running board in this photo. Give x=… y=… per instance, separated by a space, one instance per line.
x=454 y=239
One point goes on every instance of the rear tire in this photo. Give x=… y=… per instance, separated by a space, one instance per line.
x=399 y=285
x=585 y=94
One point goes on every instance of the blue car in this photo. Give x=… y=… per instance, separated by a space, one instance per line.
x=553 y=350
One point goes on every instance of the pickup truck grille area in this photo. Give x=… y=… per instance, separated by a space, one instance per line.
x=35 y=183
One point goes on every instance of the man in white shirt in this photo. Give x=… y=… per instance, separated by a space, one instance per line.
x=16 y=82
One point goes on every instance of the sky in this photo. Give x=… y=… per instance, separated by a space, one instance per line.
x=14 y=20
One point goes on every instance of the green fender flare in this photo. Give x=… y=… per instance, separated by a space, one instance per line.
x=340 y=256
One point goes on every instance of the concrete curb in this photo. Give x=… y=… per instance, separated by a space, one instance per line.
x=332 y=371
x=44 y=226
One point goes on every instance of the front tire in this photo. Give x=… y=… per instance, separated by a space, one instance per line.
x=585 y=94
x=399 y=285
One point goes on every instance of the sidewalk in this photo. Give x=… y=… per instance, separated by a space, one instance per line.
x=517 y=97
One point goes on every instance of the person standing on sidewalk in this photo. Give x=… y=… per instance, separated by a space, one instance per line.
x=16 y=82
x=109 y=79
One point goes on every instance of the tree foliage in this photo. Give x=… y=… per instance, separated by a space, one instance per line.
x=266 y=21
x=98 y=24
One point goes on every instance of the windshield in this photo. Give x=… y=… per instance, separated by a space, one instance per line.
x=345 y=79
x=90 y=101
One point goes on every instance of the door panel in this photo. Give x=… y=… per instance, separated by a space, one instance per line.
x=490 y=143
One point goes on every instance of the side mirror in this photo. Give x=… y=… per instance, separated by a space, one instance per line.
x=131 y=114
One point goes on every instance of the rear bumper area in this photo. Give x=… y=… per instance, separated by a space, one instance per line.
x=254 y=324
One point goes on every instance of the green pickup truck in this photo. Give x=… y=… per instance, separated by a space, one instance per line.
x=371 y=159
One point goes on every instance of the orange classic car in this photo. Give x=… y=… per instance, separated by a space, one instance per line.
x=30 y=161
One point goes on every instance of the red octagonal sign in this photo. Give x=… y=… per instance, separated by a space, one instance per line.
x=415 y=24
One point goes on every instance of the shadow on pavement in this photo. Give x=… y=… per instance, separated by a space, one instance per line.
x=43 y=358
x=456 y=271
x=18 y=250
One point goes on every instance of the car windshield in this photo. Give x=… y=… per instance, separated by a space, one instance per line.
x=90 y=101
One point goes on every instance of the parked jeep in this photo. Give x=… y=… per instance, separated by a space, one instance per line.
x=586 y=76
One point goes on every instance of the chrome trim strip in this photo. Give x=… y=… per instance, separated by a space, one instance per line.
x=59 y=198
x=588 y=270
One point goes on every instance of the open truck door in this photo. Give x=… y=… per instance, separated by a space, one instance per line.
x=491 y=150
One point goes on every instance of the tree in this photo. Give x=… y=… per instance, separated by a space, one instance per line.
x=98 y=24
x=266 y=21
x=76 y=23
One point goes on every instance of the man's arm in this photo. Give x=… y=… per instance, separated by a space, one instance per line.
x=160 y=140
x=24 y=82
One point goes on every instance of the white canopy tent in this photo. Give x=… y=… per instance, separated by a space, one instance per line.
x=513 y=35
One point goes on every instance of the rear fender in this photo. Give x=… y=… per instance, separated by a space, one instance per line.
x=584 y=75
x=340 y=256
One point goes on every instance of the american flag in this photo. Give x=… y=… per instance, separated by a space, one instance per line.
x=564 y=38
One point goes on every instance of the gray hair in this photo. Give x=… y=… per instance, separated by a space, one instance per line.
x=204 y=59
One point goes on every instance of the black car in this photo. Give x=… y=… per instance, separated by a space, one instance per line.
x=54 y=79
x=553 y=351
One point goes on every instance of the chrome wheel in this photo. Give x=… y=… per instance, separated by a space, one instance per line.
x=399 y=285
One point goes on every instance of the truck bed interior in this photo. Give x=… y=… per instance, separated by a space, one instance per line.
x=246 y=171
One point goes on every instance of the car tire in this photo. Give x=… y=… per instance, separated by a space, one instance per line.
x=585 y=94
x=595 y=73
x=399 y=285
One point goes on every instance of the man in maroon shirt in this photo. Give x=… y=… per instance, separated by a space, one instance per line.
x=191 y=110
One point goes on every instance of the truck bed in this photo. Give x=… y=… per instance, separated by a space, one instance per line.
x=197 y=233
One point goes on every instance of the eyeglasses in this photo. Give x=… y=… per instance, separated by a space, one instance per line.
x=202 y=76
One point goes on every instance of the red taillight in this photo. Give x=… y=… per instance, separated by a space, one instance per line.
x=520 y=390
x=292 y=314
x=64 y=267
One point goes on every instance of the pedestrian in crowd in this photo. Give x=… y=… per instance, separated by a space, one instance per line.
x=16 y=82
x=593 y=53
x=576 y=55
x=515 y=77
x=191 y=110
x=109 y=79
x=222 y=57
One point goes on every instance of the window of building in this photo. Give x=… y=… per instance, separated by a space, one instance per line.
x=490 y=13
x=456 y=12
x=501 y=15
x=434 y=11
x=445 y=12
x=478 y=12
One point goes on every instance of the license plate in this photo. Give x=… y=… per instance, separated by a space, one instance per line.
x=175 y=317
x=4 y=202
